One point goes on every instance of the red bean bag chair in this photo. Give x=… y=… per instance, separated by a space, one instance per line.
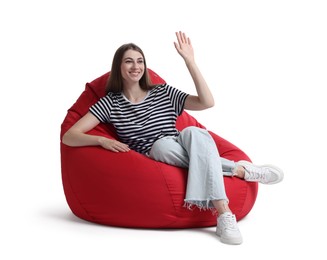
x=131 y=190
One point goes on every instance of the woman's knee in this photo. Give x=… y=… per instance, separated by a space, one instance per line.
x=194 y=130
x=168 y=150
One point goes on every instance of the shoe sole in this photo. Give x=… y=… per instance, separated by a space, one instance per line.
x=229 y=241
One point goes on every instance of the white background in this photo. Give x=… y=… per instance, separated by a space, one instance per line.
x=265 y=62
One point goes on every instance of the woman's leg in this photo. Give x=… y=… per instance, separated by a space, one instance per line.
x=194 y=148
x=168 y=150
x=205 y=181
x=205 y=186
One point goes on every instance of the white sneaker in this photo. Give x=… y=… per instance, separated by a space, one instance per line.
x=227 y=229
x=266 y=174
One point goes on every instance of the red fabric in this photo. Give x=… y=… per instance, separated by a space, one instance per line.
x=131 y=190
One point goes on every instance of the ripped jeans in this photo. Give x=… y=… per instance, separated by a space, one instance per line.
x=196 y=150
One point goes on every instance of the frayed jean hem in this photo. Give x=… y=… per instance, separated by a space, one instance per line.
x=202 y=205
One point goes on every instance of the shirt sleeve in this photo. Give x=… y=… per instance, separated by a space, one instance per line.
x=177 y=98
x=101 y=110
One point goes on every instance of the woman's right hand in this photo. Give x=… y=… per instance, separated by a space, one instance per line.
x=76 y=136
x=113 y=145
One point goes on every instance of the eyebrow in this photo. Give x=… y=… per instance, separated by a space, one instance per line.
x=129 y=58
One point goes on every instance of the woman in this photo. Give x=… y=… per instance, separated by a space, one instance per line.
x=144 y=117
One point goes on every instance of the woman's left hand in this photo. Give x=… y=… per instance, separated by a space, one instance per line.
x=184 y=47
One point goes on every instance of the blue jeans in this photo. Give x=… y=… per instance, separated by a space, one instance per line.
x=196 y=150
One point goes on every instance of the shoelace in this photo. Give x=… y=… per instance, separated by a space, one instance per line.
x=257 y=173
x=230 y=221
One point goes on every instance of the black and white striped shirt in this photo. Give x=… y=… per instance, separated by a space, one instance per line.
x=140 y=125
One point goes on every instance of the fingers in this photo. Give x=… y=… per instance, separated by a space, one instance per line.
x=179 y=38
x=114 y=146
x=182 y=38
x=184 y=46
x=119 y=147
x=118 y=150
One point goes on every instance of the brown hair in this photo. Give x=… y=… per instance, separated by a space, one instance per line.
x=115 y=80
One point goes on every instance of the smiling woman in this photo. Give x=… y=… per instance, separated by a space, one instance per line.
x=144 y=114
x=132 y=69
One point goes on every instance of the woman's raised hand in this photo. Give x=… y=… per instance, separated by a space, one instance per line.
x=184 y=46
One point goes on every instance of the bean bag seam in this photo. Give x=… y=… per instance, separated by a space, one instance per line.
x=240 y=214
x=243 y=213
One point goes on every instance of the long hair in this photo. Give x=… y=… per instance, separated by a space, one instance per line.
x=115 y=80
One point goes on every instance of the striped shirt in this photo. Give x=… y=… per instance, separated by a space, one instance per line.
x=140 y=125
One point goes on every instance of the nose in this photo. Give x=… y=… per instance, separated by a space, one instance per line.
x=135 y=65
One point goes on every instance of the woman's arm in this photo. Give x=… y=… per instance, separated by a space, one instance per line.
x=204 y=98
x=76 y=136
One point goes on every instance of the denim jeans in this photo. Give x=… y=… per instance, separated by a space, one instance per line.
x=196 y=150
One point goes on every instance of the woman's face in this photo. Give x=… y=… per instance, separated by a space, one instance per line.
x=132 y=66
